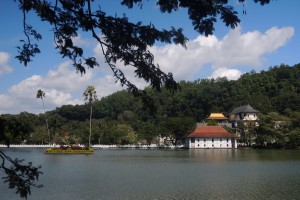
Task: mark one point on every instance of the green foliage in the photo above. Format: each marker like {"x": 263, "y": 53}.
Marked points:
{"x": 39, "y": 136}
{"x": 70, "y": 112}
{"x": 246, "y": 132}
{"x": 68, "y": 151}
{"x": 276, "y": 130}
{"x": 147, "y": 132}
{"x": 15, "y": 128}
{"x": 179, "y": 127}
{"x": 90, "y": 94}
{"x": 212, "y": 123}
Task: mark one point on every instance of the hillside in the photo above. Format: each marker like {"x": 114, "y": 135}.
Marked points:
{"x": 122, "y": 118}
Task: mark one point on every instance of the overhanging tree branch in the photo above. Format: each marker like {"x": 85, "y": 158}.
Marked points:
{"x": 20, "y": 176}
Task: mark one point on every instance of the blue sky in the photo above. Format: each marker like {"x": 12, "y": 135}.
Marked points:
{"x": 267, "y": 36}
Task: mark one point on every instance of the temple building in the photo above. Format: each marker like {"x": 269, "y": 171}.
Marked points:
{"x": 217, "y": 117}
{"x": 210, "y": 137}
{"x": 243, "y": 113}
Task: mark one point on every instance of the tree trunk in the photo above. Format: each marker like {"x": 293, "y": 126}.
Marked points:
{"x": 46, "y": 122}
{"x": 90, "y": 126}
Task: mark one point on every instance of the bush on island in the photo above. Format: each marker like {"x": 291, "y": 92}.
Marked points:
{"x": 70, "y": 150}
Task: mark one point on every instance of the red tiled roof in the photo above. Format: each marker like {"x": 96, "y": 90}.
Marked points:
{"x": 211, "y": 132}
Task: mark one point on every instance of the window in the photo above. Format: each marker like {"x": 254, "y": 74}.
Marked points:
{"x": 212, "y": 139}
{"x": 193, "y": 140}
{"x": 204, "y": 140}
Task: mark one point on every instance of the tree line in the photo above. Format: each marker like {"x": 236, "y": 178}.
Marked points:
{"x": 122, "y": 118}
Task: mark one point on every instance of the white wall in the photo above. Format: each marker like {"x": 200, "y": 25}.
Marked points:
{"x": 250, "y": 116}
{"x": 211, "y": 143}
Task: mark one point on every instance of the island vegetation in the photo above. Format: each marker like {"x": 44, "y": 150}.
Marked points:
{"x": 65, "y": 149}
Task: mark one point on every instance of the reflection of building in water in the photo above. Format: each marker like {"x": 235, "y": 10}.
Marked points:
{"x": 210, "y": 137}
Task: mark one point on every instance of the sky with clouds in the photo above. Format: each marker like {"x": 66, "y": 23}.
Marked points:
{"x": 267, "y": 36}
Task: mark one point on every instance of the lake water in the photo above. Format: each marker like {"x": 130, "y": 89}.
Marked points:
{"x": 164, "y": 174}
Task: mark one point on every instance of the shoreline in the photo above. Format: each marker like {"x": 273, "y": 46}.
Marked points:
{"x": 97, "y": 146}
{"x": 152, "y": 146}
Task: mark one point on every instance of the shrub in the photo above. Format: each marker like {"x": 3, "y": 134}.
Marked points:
{"x": 69, "y": 150}
{"x": 76, "y": 148}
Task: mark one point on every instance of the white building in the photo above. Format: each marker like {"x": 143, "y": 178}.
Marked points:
{"x": 244, "y": 113}
{"x": 210, "y": 137}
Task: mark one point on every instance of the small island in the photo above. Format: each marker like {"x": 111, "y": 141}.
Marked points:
{"x": 69, "y": 150}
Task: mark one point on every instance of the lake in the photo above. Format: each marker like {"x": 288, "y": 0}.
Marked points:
{"x": 156, "y": 174}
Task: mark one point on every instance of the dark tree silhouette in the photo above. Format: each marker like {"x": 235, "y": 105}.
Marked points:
{"x": 16, "y": 174}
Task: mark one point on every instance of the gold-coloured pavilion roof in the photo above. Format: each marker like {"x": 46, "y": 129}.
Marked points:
{"x": 217, "y": 116}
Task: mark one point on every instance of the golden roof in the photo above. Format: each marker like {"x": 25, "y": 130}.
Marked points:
{"x": 218, "y": 116}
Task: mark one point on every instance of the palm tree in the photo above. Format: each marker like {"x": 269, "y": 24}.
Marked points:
{"x": 90, "y": 96}
{"x": 40, "y": 95}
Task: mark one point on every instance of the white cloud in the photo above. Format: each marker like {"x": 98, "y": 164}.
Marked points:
{"x": 231, "y": 74}
{"x": 228, "y": 56}
{"x": 79, "y": 41}
{"x": 64, "y": 78}
{"x": 236, "y": 49}
{"x": 61, "y": 86}
{"x": 249, "y": 48}
{"x": 59, "y": 98}
{"x": 4, "y": 66}
{"x": 107, "y": 83}
{"x": 106, "y": 86}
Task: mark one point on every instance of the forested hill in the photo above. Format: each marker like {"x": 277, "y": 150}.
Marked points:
{"x": 275, "y": 90}
{"x": 123, "y": 119}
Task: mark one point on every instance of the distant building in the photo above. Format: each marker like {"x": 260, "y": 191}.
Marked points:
{"x": 210, "y": 137}
{"x": 219, "y": 118}
{"x": 243, "y": 113}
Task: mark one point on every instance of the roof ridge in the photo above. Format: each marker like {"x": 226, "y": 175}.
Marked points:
{"x": 211, "y": 132}
{"x": 244, "y": 108}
